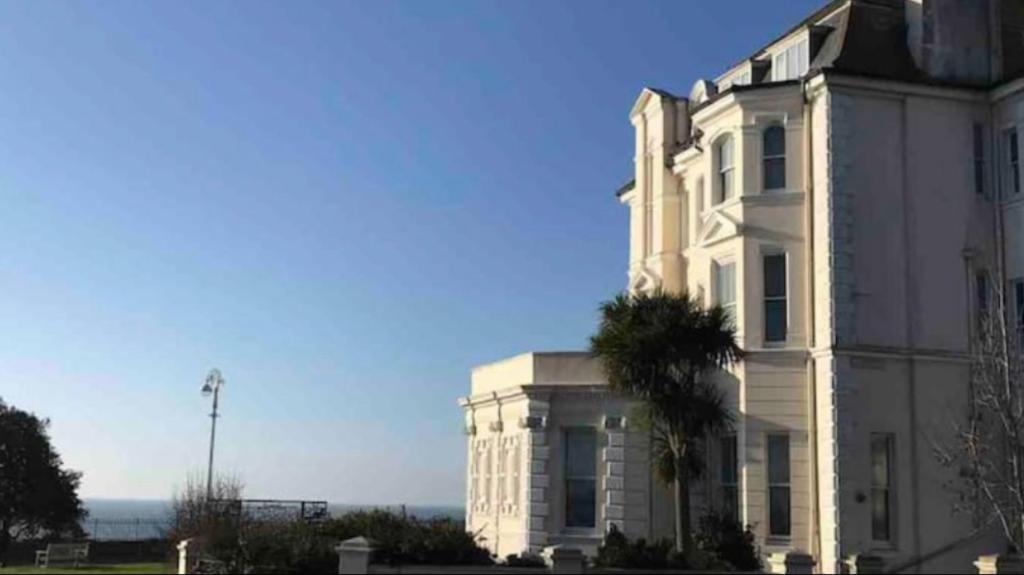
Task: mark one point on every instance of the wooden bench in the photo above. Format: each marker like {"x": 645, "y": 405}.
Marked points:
{"x": 76, "y": 553}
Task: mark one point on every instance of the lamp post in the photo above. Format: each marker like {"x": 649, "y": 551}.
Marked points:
{"x": 212, "y": 386}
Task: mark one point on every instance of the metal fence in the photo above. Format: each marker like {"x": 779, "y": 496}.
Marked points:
{"x": 126, "y": 529}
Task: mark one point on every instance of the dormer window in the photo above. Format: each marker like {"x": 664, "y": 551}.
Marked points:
{"x": 791, "y": 63}
{"x": 774, "y": 158}
{"x": 726, "y": 165}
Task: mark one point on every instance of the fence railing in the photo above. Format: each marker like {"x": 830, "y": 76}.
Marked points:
{"x": 125, "y": 529}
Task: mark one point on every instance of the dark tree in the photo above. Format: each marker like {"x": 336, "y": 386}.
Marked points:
{"x": 661, "y": 349}
{"x": 38, "y": 497}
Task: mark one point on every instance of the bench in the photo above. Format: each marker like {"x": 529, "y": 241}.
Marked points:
{"x": 76, "y": 553}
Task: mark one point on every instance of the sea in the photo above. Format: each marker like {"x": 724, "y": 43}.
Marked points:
{"x": 138, "y": 519}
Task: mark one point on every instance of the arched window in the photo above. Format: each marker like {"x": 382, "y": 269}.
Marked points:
{"x": 774, "y": 159}
{"x": 726, "y": 169}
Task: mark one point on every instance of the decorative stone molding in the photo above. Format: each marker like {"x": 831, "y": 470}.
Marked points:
{"x": 537, "y": 481}
{"x": 496, "y": 427}
{"x": 469, "y": 430}
{"x": 614, "y": 458}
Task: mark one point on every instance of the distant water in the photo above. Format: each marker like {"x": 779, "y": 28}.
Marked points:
{"x": 133, "y": 519}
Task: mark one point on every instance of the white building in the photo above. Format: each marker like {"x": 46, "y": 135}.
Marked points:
{"x": 850, "y": 191}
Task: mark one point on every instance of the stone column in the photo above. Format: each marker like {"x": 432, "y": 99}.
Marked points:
{"x": 992, "y": 564}
{"x": 790, "y": 562}
{"x": 614, "y": 456}
{"x": 354, "y": 556}
{"x": 537, "y": 481}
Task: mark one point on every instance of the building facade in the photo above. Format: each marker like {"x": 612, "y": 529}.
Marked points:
{"x": 852, "y": 194}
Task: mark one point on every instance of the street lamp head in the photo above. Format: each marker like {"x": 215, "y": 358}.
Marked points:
{"x": 213, "y": 382}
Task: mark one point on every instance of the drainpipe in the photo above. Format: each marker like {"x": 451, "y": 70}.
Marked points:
{"x": 809, "y": 296}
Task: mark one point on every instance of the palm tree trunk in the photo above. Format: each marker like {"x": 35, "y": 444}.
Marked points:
{"x": 684, "y": 539}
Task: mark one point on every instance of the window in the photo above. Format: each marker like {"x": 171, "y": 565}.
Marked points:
{"x": 580, "y": 478}
{"x": 792, "y": 63}
{"x": 774, "y": 160}
{"x": 779, "y": 524}
{"x": 881, "y": 486}
{"x": 699, "y": 196}
{"x": 725, "y": 288}
{"x": 726, "y": 169}
{"x": 775, "y": 309}
{"x": 981, "y": 285}
{"x": 979, "y": 159}
{"x": 1018, "y": 308}
{"x": 729, "y": 478}
{"x": 1013, "y": 159}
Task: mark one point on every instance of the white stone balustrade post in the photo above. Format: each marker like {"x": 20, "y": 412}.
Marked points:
{"x": 354, "y": 556}
{"x": 993, "y": 564}
{"x": 188, "y": 553}
{"x": 791, "y": 562}
{"x": 858, "y": 564}
{"x": 564, "y": 560}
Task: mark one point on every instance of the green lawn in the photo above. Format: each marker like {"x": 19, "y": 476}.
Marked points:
{"x": 145, "y": 568}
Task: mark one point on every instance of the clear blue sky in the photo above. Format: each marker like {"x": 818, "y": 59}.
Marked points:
{"x": 343, "y": 206}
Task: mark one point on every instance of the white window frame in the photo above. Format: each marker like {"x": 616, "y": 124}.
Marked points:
{"x": 568, "y": 478}
{"x": 765, "y": 158}
{"x": 787, "y": 485}
{"x": 765, "y": 298}
{"x": 979, "y": 132}
{"x": 1011, "y": 139}
{"x": 729, "y": 490}
{"x": 722, "y": 193}
{"x": 888, "y": 490}
{"x": 716, "y": 270}
{"x": 1017, "y": 301}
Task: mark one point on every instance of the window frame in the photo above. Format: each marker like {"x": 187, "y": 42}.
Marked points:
{"x": 773, "y": 485}
{"x": 569, "y": 477}
{"x": 888, "y": 489}
{"x": 979, "y": 134}
{"x": 729, "y": 488}
{"x": 1017, "y": 295}
{"x": 732, "y": 308}
{"x": 724, "y": 173}
{"x": 766, "y": 158}
{"x": 767, "y": 299}
{"x": 1012, "y": 141}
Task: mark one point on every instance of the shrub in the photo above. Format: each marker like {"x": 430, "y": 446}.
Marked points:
{"x": 299, "y": 547}
{"x": 721, "y": 546}
{"x": 727, "y": 539}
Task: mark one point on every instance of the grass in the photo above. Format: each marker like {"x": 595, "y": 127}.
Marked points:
{"x": 143, "y": 568}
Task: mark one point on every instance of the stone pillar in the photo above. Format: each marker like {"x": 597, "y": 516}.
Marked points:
{"x": 188, "y": 556}
{"x": 857, "y": 564}
{"x": 564, "y": 560}
{"x": 790, "y": 562}
{"x": 992, "y": 564}
{"x": 614, "y": 457}
{"x": 538, "y": 482}
{"x": 354, "y": 556}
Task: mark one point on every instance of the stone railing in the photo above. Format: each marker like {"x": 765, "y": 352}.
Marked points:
{"x": 355, "y": 558}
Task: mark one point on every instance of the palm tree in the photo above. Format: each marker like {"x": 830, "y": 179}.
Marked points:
{"x": 660, "y": 348}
